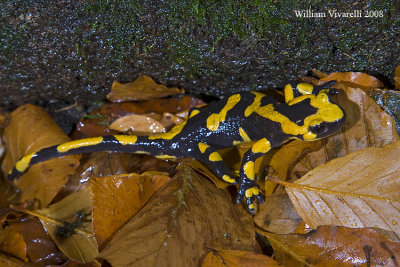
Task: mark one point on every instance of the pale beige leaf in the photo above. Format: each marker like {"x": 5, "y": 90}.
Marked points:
{"x": 138, "y": 125}
{"x": 358, "y": 190}
{"x": 184, "y": 220}
{"x": 81, "y": 245}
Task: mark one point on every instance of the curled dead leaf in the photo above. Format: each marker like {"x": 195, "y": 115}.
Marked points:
{"x": 143, "y": 88}
{"x": 354, "y": 79}
{"x": 12, "y": 243}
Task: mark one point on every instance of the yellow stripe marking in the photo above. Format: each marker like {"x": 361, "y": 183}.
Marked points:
{"x": 23, "y": 163}
{"x": 254, "y": 191}
{"x": 126, "y": 139}
{"x": 215, "y": 119}
{"x": 215, "y": 156}
{"x": 326, "y": 112}
{"x": 165, "y": 157}
{"x": 79, "y": 143}
{"x": 194, "y": 113}
{"x": 171, "y": 134}
{"x": 288, "y": 91}
{"x": 305, "y": 88}
{"x": 203, "y": 147}
{"x": 228, "y": 179}
{"x": 251, "y": 206}
{"x": 261, "y": 146}
{"x": 244, "y": 135}
{"x": 248, "y": 168}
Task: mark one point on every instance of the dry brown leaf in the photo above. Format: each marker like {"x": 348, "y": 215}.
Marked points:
{"x": 397, "y": 78}
{"x": 30, "y": 130}
{"x": 138, "y": 125}
{"x": 239, "y": 258}
{"x": 117, "y": 198}
{"x": 12, "y": 243}
{"x": 143, "y": 88}
{"x": 358, "y": 190}
{"x": 184, "y": 218}
{"x": 278, "y": 215}
{"x": 335, "y": 246}
{"x": 79, "y": 243}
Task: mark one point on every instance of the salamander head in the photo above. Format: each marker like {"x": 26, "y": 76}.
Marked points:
{"x": 327, "y": 119}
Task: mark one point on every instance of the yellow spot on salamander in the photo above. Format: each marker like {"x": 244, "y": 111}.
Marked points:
{"x": 215, "y": 156}
{"x": 261, "y": 146}
{"x": 23, "y": 163}
{"x": 305, "y": 88}
{"x": 215, "y": 119}
{"x": 237, "y": 142}
{"x": 254, "y": 191}
{"x": 244, "y": 135}
{"x": 171, "y": 134}
{"x": 251, "y": 206}
{"x": 79, "y": 143}
{"x": 248, "y": 168}
{"x": 326, "y": 112}
{"x": 165, "y": 157}
{"x": 194, "y": 113}
{"x": 126, "y": 139}
{"x": 288, "y": 91}
{"x": 203, "y": 147}
{"x": 228, "y": 179}
{"x": 309, "y": 136}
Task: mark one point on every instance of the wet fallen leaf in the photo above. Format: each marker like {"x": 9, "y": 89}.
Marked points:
{"x": 138, "y": 125}
{"x": 142, "y": 88}
{"x": 232, "y": 258}
{"x": 335, "y": 246}
{"x": 12, "y": 243}
{"x": 42, "y": 181}
{"x": 357, "y": 190}
{"x": 76, "y": 242}
{"x": 397, "y": 78}
{"x": 41, "y": 250}
{"x": 184, "y": 218}
{"x": 117, "y": 198}
{"x": 75, "y": 263}
{"x": 278, "y": 215}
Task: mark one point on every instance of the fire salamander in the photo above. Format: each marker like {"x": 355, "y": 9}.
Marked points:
{"x": 307, "y": 114}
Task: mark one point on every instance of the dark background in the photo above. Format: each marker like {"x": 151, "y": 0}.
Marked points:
{"x": 57, "y": 53}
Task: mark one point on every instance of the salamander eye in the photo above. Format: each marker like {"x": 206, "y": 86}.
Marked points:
{"x": 319, "y": 128}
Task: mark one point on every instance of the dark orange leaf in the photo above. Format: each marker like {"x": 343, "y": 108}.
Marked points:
{"x": 184, "y": 218}
{"x": 354, "y": 79}
{"x": 142, "y": 88}
{"x": 138, "y": 125}
{"x": 239, "y": 258}
{"x": 117, "y": 198}
{"x": 30, "y": 130}
{"x": 397, "y": 78}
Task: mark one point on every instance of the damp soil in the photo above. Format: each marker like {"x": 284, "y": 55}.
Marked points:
{"x": 67, "y": 53}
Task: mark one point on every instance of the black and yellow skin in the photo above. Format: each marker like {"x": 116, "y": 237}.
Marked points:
{"x": 307, "y": 114}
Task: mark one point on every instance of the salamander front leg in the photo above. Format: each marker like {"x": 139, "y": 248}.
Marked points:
{"x": 248, "y": 188}
{"x": 210, "y": 156}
